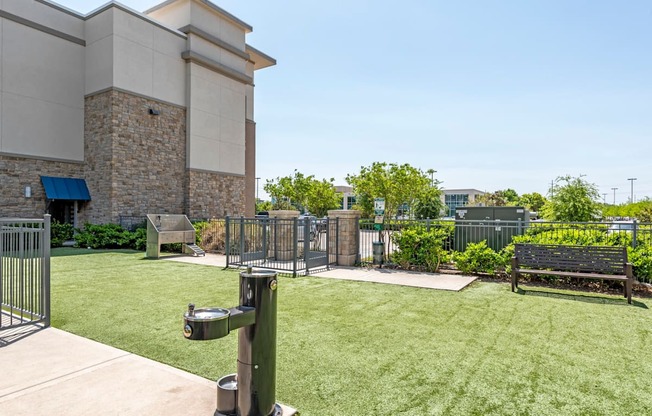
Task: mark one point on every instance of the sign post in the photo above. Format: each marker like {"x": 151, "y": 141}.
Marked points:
{"x": 379, "y": 212}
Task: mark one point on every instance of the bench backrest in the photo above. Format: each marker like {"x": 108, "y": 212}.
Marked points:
{"x": 592, "y": 259}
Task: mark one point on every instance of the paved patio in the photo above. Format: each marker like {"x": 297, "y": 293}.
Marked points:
{"x": 438, "y": 281}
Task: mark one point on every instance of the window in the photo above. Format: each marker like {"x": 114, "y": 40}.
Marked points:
{"x": 453, "y": 201}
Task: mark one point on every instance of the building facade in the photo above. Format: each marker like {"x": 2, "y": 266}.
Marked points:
{"x": 454, "y": 198}
{"x": 152, "y": 111}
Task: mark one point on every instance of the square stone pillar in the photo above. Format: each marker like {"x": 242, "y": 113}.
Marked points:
{"x": 346, "y": 245}
{"x": 282, "y": 234}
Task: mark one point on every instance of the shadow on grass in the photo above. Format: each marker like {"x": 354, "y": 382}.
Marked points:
{"x": 608, "y": 300}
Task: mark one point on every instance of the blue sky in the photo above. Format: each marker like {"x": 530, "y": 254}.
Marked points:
{"x": 491, "y": 94}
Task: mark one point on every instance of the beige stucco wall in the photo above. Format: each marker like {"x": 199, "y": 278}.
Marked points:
{"x": 174, "y": 15}
{"x": 99, "y": 52}
{"x": 147, "y": 59}
{"x": 46, "y": 16}
{"x": 42, "y": 91}
{"x": 216, "y": 120}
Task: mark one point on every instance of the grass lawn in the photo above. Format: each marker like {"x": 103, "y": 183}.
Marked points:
{"x": 356, "y": 348}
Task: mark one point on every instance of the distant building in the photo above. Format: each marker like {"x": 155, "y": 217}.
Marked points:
{"x": 348, "y": 198}
{"x": 121, "y": 113}
{"x": 454, "y": 198}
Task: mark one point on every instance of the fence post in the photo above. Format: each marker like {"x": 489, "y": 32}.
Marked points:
{"x": 242, "y": 240}
{"x": 328, "y": 243}
{"x": 295, "y": 245}
{"x": 634, "y": 234}
{"x": 46, "y": 268}
{"x": 227, "y": 236}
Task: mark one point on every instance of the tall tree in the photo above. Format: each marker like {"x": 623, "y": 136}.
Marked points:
{"x": 397, "y": 184}
{"x": 572, "y": 199}
{"x": 534, "y": 201}
{"x": 304, "y": 193}
{"x": 321, "y": 197}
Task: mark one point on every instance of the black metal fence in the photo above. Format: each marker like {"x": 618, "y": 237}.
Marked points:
{"x": 293, "y": 246}
{"x": 24, "y": 272}
{"x": 499, "y": 234}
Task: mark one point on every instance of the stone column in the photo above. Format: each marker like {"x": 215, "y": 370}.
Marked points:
{"x": 282, "y": 235}
{"x": 348, "y": 250}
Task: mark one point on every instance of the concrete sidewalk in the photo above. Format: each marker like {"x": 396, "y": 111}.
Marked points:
{"x": 373, "y": 274}
{"x": 52, "y": 372}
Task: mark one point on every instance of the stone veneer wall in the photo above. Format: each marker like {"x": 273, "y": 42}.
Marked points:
{"x": 19, "y": 172}
{"x": 212, "y": 194}
{"x": 135, "y": 161}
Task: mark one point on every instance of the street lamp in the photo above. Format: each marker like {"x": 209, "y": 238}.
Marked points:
{"x": 614, "y": 189}
{"x": 631, "y": 199}
{"x": 604, "y": 198}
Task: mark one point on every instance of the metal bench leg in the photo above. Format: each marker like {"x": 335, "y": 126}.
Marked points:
{"x": 514, "y": 274}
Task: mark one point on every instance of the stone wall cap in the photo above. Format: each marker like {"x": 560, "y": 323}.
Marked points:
{"x": 284, "y": 213}
{"x": 351, "y": 213}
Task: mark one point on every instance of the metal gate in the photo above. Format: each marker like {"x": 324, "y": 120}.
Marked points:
{"x": 295, "y": 246}
{"x": 24, "y": 272}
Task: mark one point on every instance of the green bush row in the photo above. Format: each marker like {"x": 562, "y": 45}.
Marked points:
{"x": 111, "y": 236}
{"x": 107, "y": 236}
{"x": 418, "y": 248}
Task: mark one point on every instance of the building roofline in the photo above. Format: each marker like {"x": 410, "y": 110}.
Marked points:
{"x": 62, "y": 8}
{"x": 107, "y": 6}
{"x": 260, "y": 59}
{"x": 247, "y": 27}
{"x": 476, "y": 191}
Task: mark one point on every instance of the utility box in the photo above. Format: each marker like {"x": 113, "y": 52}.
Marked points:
{"x": 496, "y": 225}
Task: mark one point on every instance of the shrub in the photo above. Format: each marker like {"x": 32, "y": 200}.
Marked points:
{"x": 478, "y": 258}
{"x": 641, "y": 259}
{"x": 140, "y": 239}
{"x": 105, "y": 236}
{"x": 420, "y": 248}
{"x": 60, "y": 233}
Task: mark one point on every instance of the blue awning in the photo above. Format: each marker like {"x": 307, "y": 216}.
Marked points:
{"x": 66, "y": 189}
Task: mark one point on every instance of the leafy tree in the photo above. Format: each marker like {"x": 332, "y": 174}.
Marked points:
{"x": 534, "y": 201}
{"x": 645, "y": 214}
{"x": 397, "y": 184}
{"x": 493, "y": 199}
{"x": 264, "y": 206}
{"x": 303, "y": 193}
{"x": 429, "y": 204}
{"x": 572, "y": 199}
{"x": 510, "y": 196}
{"x": 641, "y": 210}
{"x": 321, "y": 197}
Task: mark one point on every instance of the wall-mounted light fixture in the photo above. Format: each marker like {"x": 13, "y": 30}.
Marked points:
{"x": 153, "y": 112}
{"x": 28, "y": 192}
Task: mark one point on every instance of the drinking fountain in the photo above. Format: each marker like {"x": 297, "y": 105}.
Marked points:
{"x": 251, "y": 391}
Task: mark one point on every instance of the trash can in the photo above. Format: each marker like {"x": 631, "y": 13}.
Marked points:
{"x": 379, "y": 252}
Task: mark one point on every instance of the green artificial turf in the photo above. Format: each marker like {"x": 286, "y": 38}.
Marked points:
{"x": 357, "y": 348}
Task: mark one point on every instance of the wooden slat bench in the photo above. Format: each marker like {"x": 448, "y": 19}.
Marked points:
{"x": 589, "y": 262}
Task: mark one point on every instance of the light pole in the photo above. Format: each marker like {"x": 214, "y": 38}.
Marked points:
{"x": 614, "y": 189}
{"x": 631, "y": 199}
{"x": 604, "y": 198}
{"x": 257, "y": 179}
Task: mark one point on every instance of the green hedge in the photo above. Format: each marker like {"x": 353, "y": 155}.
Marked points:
{"x": 419, "y": 248}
